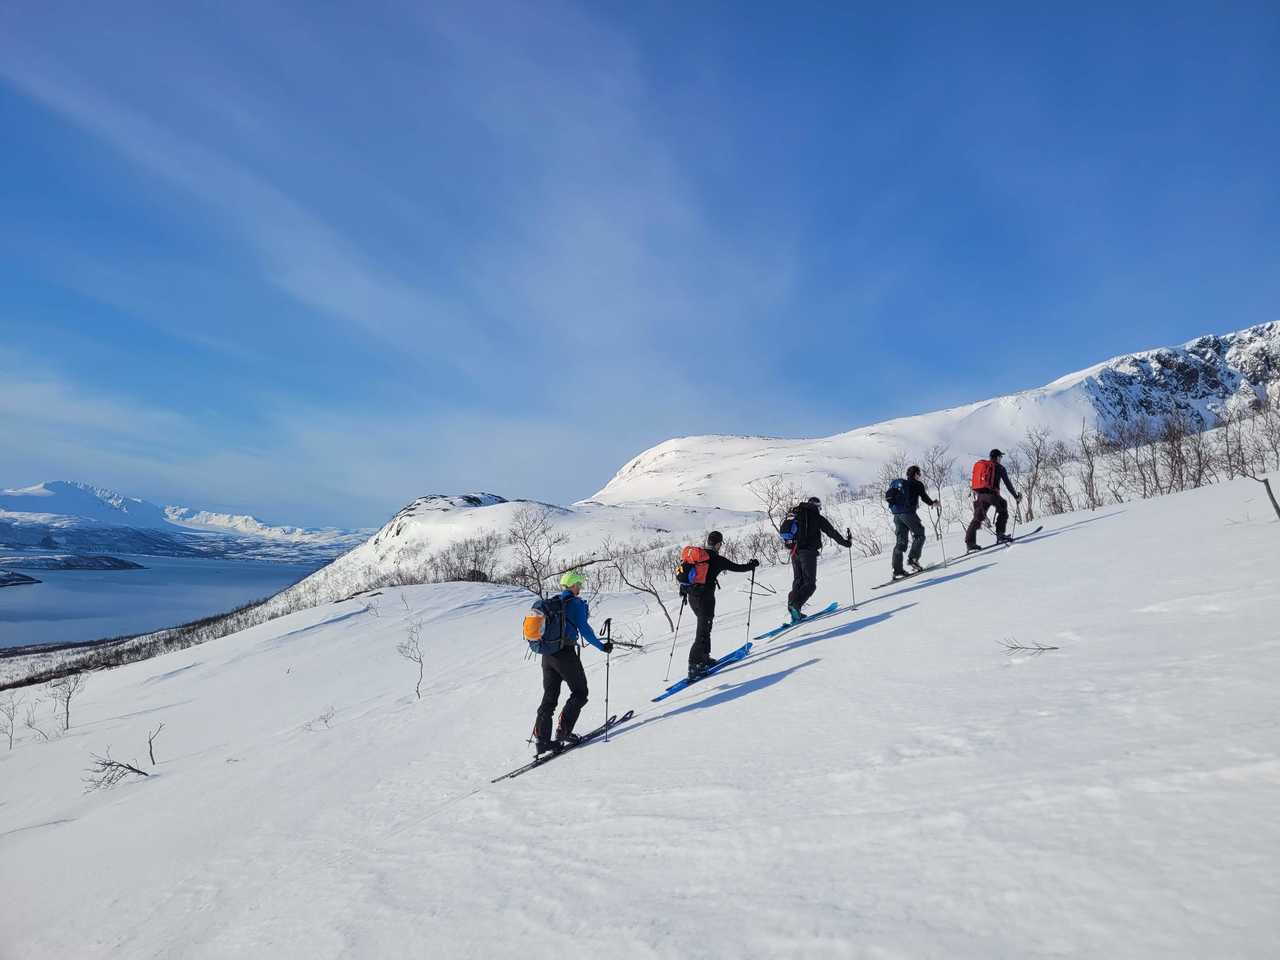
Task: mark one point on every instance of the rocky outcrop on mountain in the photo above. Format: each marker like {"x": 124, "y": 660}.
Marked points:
{"x": 1201, "y": 381}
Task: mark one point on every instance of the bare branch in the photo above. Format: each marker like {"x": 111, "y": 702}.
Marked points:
{"x": 151, "y": 743}
{"x": 105, "y": 772}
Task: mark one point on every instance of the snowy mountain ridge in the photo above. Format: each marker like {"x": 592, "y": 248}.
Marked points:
{"x": 1201, "y": 380}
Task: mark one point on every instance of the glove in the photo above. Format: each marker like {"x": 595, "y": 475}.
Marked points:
{"x": 608, "y": 646}
{"x": 753, "y": 563}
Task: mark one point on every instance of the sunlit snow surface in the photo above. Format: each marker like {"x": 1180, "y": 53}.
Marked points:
{"x": 889, "y": 783}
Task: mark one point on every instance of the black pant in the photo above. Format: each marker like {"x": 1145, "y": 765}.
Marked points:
{"x": 703, "y": 604}
{"x": 804, "y": 577}
{"x": 981, "y": 504}
{"x": 556, "y": 667}
{"x": 903, "y": 524}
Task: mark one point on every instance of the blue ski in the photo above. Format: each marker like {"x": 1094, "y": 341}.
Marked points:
{"x": 776, "y": 631}
{"x": 732, "y": 657}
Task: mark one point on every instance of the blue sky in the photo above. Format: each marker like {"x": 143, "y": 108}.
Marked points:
{"x": 315, "y": 259}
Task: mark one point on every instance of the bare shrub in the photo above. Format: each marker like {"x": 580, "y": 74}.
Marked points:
{"x": 647, "y": 568}
{"x": 411, "y": 649}
{"x": 473, "y": 560}
{"x": 64, "y": 690}
{"x": 30, "y": 721}
{"x": 9, "y": 704}
{"x": 535, "y": 541}
{"x": 776, "y": 496}
{"x": 938, "y": 470}
{"x": 104, "y": 772}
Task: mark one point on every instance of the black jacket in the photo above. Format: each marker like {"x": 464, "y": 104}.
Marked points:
{"x": 812, "y": 526}
{"x": 717, "y": 566}
{"x": 1002, "y": 476}
{"x": 915, "y": 493}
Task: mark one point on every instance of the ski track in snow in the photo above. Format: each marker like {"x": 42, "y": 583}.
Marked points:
{"x": 887, "y": 782}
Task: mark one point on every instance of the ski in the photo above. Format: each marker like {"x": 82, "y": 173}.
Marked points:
{"x": 913, "y": 573}
{"x": 778, "y": 631}
{"x": 732, "y": 656}
{"x": 996, "y": 546}
{"x": 586, "y": 738}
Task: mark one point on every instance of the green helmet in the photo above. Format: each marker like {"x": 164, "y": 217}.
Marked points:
{"x": 571, "y": 579}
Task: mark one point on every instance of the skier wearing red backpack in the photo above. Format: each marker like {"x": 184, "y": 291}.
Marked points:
{"x": 987, "y": 476}
{"x": 699, "y": 568}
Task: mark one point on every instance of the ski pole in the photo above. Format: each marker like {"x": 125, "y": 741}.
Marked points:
{"x": 608, "y": 638}
{"x": 942, "y": 541}
{"x": 750, "y": 598}
{"x": 848, "y": 535}
{"x": 683, "y": 600}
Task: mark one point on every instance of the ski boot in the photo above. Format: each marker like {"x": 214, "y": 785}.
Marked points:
{"x": 915, "y": 566}
{"x": 971, "y": 548}
{"x": 796, "y": 615}
{"x": 567, "y": 739}
{"x": 899, "y": 574}
{"x": 1003, "y": 538}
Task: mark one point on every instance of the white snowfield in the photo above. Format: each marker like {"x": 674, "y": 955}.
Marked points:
{"x": 886, "y": 783}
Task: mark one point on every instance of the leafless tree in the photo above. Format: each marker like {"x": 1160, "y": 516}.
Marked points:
{"x": 64, "y": 691}
{"x": 30, "y": 721}
{"x": 151, "y": 743}
{"x": 9, "y": 704}
{"x": 411, "y": 650}
{"x": 776, "y": 496}
{"x": 1033, "y": 451}
{"x": 104, "y": 772}
{"x": 535, "y": 541}
{"x": 938, "y": 467}
{"x": 647, "y": 568}
{"x": 1087, "y": 466}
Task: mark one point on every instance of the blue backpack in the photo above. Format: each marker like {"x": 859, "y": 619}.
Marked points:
{"x": 897, "y": 498}
{"x": 789, "y": 528}
{"x": 546, "y": 626}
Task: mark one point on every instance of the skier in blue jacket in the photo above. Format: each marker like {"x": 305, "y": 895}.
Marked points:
{"x": 565, "y": 666}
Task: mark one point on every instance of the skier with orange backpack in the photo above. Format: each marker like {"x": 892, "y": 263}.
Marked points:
{"x": 697, "y": 574}
{"x": 987, "y": 476}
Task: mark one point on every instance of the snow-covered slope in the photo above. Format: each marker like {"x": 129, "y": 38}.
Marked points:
{"x": 89, "y": 519}
{"x": 887, "y": 783}
{"x": 1200, "y": 379}
{"x": 433, "y": 523}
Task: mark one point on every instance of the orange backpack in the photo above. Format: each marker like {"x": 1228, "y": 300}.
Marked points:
{"x": 694, "y": 564}
{"x": 985, "y": 475}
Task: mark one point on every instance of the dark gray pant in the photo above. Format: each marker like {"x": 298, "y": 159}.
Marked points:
{"x": 702, "y": 602}
{"x": 562, "y": 666}
{"x": 981, "y": 504}
{"x": 903, "y": 524}
{"x": 804, "y": 577}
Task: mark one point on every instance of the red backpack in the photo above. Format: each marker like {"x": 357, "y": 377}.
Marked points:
{"x": 985, "y": 475}
{"x": 694, "y": 564}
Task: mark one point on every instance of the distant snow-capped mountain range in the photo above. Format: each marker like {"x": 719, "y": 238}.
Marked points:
{"x": 66, "y": 515}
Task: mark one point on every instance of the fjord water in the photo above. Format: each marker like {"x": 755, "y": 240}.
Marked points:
{"x": 75, "y": 606}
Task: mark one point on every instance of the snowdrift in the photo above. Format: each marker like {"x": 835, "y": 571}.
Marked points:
{"x": 888, "y": 783}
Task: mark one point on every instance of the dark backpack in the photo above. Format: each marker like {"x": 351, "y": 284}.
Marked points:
{"x": 896, "y": 496}
{"x": 546, "y": 627}
{"x": 794, "y": 524}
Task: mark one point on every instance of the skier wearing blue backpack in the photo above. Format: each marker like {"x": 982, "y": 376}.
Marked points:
{"x": 564, "y": 621}
{"x": 802, "y": 532}
{"x": 903, "y": 497}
